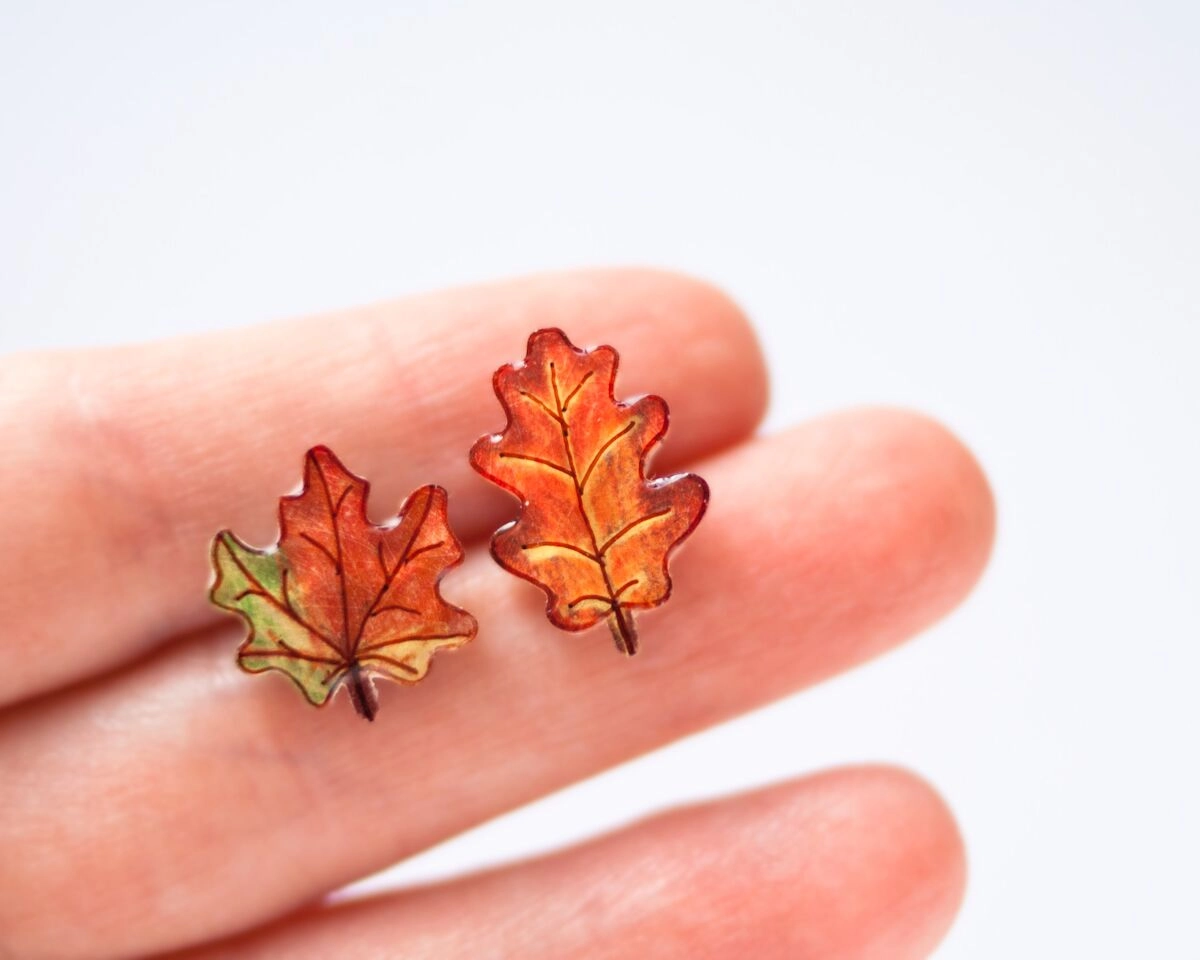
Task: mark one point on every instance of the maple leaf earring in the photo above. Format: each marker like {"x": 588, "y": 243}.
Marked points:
{"x": 592, "y": 531}
{"x": 339, "y": 601}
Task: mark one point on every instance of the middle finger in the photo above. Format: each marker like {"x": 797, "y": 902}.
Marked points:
{"x": 182, "y": 801}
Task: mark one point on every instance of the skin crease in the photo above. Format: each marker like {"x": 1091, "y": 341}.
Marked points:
{"x": 169, "y": 799}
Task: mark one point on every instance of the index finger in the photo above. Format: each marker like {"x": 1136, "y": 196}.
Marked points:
{"x": 121, "y": 463}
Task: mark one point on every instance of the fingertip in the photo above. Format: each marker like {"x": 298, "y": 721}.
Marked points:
{"x": 913, "y": 508}
{"x": 723, "y": 334}
{"x": 948, "y": 507}
{"x": 889, "y": 863}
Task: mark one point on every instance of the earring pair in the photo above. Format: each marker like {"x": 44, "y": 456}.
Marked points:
{"x": 338, "y": 600}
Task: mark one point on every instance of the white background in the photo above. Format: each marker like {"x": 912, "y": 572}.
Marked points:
{"x": 989, "y": 211}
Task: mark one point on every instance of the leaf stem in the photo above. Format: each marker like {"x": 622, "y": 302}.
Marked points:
{"x": 362, "y": 693}
{"x": 623, "y": 631}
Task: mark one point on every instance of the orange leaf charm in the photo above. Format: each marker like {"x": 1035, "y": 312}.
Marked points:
{"x": 593, "y": 532}
{"x": 340, "y": 600}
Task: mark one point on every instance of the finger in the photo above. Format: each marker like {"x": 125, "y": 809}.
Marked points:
{"x": 854, "y": 863}
{"x": 823, "y": 546}
{"x": 120, "y": 464}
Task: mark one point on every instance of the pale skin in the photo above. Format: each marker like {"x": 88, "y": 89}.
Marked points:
{"x": 156, "y": 799}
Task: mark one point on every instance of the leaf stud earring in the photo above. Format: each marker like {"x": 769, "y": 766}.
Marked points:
{"x": 593, "y": 532}
{"x": 339, "y": 601}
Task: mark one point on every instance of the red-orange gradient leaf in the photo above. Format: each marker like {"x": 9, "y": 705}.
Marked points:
{"x": 593, "y": 531}
{"x": 339, "y": 600}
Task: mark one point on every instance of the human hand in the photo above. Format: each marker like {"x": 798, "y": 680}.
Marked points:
{"x": 155, "y": 798}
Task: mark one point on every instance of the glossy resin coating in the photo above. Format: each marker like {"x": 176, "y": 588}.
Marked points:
{"x": 340, "y": 600}
{"x": 593, "y": 532}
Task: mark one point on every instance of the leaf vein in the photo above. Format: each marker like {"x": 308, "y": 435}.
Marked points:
{"x": 590, "y": 596}
{"x": 394, "y": 606}
{"x": 599, "y": 453}
{"x": 263, "y": 592}
{"x": 390, "y": 576}
{"x": 541, "y": 403}
{"x": 579, "y": 386}
{"x": 392, "y": 661}
{"x": 629, "y": 527}
{"x": 414, "y": 638}
{"x": 587, "y": 521}
{"x": 320, "y": 546}
{"x": 542, "y": 460}
{"x": 337, "y": 544}
{"x": 564, "y": 545}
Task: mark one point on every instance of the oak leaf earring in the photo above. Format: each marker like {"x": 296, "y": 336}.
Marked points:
{"x": 592, "y": 531}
